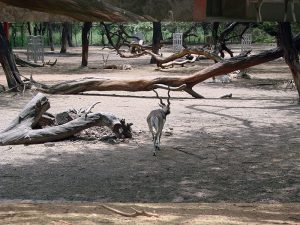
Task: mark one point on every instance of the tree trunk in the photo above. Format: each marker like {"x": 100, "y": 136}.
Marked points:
{"x": 157, "y": 37}
{"x": 29, "y": 28}
{"x": 50, "y": 31}
{"x": 214, "y": 34}
{"x": 69, "y": 36}
{"x": 290, "y": 52}
{"x": 85, "y": 42}
{"x": 22, "y": 34}
{"x": 8, "y": 63}
{"x": 24, "y": 129}
{"x": 64, "y": 38}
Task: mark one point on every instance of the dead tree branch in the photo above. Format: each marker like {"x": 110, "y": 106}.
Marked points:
{"x": 25, "y": 128}
{"x": 161, "y": 61}
{"x": 220, "y": 68}
{"x": 135, "y": 214}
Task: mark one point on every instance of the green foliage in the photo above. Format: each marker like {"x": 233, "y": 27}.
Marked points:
{"x": 260, "y": 32}
{"x": 260, "y": 36}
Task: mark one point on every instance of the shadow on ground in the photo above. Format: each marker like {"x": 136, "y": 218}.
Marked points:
{"x": 254, "y": 161}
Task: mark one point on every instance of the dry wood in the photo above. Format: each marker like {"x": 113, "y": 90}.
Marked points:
{"x": 135, "y": 214}
{"x": 179, "y": 63}
{"x": 165, "y": 62}
{"x": 227, "y": 96}
{"x": 50, "y": 63}
{"x": 24, "y": 129}
{"x": 24, "y": 63}
{"x": 220, "y": 68}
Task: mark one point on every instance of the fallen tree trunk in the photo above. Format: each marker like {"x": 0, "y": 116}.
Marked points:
{"x": 221, "y": 68}
{"x": 24, "y": 129}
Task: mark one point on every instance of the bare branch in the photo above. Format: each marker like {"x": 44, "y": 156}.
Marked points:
{"x": 180, "y": 88}
{"x": 89, "y": 109}
{"x": 135, "y": 214}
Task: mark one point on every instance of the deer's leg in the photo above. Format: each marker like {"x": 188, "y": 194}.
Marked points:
{"x": 159, "y": 139}
{"x": 155, "y": 144}
{"x": 151, "y": 129}
{"x": 161, "y": 127}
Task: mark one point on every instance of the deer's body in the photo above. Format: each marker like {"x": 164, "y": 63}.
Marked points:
{"x": 156, "y": 121}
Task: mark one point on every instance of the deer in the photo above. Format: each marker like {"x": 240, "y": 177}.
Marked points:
{"x": 156, "y": 120}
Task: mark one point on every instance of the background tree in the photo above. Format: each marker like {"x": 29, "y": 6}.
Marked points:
{"x": 85, "y": 42}
{"x": 50, "y": 34}
{"x": 64, "y": 37}
{"x": 290, "y": 51}
{"x": 157, "y": 37}
{"x": 69, "y": 35}
{"x": 8, "y": 63}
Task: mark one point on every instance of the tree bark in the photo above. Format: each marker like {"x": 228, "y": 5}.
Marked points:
{"x": 64, "y": 38}
{"x": 23, "y": 130}
{"x": 85, "y": 42}
{"x": 157, "y": 37}
{"x": 290, "y": 52}
{"x": 50, "y": 31}
{"x": 69, "y": 35}
{"x": 161, "y": 61}
{"x": 8, "y": 63}
{"x": 29, "y": 28}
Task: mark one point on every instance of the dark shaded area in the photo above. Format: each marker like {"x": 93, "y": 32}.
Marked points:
{"x": 245, "y": 164}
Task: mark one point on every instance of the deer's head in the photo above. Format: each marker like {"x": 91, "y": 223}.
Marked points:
{"x": 164, "y": 107}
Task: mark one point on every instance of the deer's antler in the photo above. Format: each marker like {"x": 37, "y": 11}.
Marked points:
{"x": 168, "y": 99}
{"x": 161, "y": 102}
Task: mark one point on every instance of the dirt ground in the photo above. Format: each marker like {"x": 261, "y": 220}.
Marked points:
{"x": 214, "y": 151}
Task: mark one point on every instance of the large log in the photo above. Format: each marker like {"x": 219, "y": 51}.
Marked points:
{"x": 23, "y": 130}
{"x": 220, "y": 68}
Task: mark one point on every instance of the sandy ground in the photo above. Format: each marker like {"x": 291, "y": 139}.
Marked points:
{"x": 239, "y": 150}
